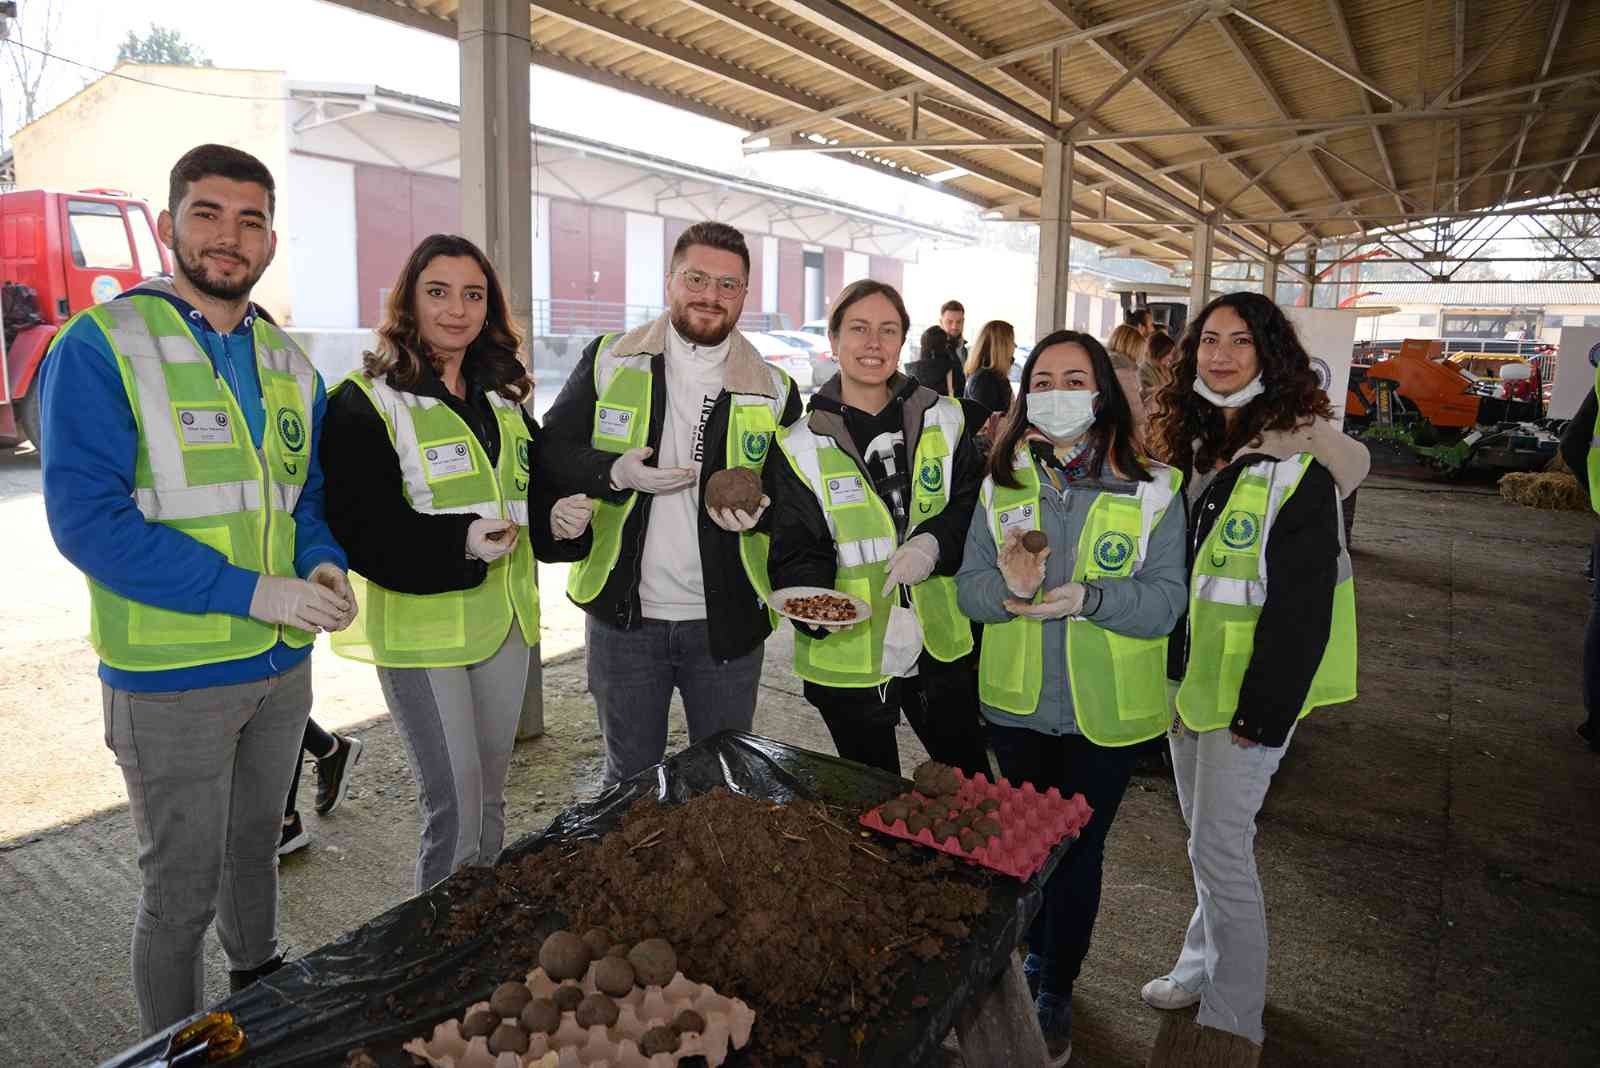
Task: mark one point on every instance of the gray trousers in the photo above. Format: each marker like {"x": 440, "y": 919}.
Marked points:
{"x": 1221, "y": 787}
{"x": 207, "y": 771}
{"x": 632, "y": 674}
{"x": 459, "y": 725}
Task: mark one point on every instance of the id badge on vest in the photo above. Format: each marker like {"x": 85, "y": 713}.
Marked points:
{"x": 846, "y": 490}
{"x": 204, "y": 427}
{"x": 614, "y": 422}
{"x": 447, "y": 459}
{"x": 1020, "y": 518}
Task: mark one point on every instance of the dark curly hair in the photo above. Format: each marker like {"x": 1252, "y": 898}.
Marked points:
{"x": 493, "y": 353}
{"x": 1110, "y": 435}
{"x": 1292, "y": 395}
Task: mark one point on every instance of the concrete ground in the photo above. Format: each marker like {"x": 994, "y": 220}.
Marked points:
{"x": 1429, "y": 852}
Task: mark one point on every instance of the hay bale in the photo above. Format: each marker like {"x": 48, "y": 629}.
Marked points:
{"x": 1556, "y": 493}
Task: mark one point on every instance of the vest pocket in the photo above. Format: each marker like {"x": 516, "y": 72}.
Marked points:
{"x": 149, "y": 625}
{"x": 431, "y": 623}
{"x": 1238, "y": 644}
{"x": 848, "y": 652}
{"x": 1140, "y": 668}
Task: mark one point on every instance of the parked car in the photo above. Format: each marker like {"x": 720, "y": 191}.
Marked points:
{"x": 823, "y": 365}
{"x": 815, "y": 326}
{"x": 785, "y": 353}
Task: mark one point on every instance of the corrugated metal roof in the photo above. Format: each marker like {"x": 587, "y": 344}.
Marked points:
{"x": 1484, "y": 294}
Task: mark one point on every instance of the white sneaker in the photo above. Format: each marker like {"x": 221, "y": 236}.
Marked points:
{"x": 1165, "y": 993}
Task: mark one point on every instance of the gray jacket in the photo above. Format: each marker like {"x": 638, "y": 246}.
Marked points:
{"x": 1145, "y": 605}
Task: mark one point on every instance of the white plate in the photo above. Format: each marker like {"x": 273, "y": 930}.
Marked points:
{"x": 778, "y": 599}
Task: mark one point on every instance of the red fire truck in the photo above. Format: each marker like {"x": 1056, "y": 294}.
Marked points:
{"x": 61, "y": 253}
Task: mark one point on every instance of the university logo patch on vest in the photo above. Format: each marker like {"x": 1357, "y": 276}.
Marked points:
{"x": 1113, "y": 550}
{"x": 524, "y": 462}
{"x": 291, "y": 430}
{"x": 755, "y": 444}
{"x": 931, "y": 475}
{"x": 1240, "y": 530}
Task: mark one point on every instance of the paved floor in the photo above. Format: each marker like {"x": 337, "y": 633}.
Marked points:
{"x": 1429, "y": 851}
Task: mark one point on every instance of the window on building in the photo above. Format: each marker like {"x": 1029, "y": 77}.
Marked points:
{"x": 99, "y": 238}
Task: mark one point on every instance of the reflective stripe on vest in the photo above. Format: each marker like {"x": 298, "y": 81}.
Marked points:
{"x": 1119, "y": 683}
{"x": 1229, "y": 588}
{"x": 1594, "y": 453}
{"x": 197, "y": 471}
{"x": 864, "y": 538}
{"x": 445, "y": 471}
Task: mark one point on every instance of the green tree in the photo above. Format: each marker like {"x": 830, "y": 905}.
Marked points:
{"x": 160, "y": 45}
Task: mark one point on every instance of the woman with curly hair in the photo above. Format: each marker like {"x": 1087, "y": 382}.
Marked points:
{"x": 1270, "y": 630}
{"x": 428, "y": 452}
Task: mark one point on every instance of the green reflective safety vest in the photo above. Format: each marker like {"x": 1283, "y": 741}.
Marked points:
{"x": 1594, "y": 452}
{"x": 1229, "y": 587}
{"x": 864, "y": 539}
{"x": 444, "y": 470}
{"x": 1119, "y": 683}
{"x": 198, "y": 472}
{"x": 622, "y": 422}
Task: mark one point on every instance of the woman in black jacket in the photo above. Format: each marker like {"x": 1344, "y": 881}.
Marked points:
{"x": 989, "y": 366}
{"x": 1270, "y": 632}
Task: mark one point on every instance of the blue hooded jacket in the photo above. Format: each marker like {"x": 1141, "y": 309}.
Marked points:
{"x": 90, "y": 444}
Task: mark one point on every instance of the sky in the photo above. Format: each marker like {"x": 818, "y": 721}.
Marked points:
{"x": 315, "y": 41}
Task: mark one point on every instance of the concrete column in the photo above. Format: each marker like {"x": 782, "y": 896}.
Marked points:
{"x": 1311, "y": 276}
{"x": 497, "y": 187}
{"x": 1200, "y": 270}
{"x": 1269, "y": 281}
{"x": 1055, "y": 240}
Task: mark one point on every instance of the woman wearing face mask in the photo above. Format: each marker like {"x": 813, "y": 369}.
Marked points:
{"x": 1073, "y": 670}
{"x": 873, "y": 500}
{"x": 428, "y": 452}
{"x": 1271, "y": 625}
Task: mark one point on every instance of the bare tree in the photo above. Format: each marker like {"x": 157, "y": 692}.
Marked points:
{"x": 1577, "y": 236}
{"x": 27, "y": 47}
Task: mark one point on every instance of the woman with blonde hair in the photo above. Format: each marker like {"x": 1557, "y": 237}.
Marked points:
{"x": 1127, "y": 348}
{"x": 989, "y": 366}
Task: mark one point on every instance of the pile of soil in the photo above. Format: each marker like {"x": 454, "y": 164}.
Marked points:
{"x": 789, "y": 907}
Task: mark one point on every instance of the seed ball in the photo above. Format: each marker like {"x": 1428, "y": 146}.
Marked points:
{"x": 541, "y": 1015}
{"x": 597, "y": 1009}
{"x": 509, "y": 998}
{"x": 568, "y": 996}
{"x": 654, "y": 962}
{"x": 564, "y": 956}
{"x": 688, "y": 1021}
{"x": 918, "y": 822}
{"x": 989, "y": 804}
{"x": 988, "y": 827}
{"x": 969, "y": 841}
{"x": 614, "y": 976}
{"x": 598, "y": 939}
{"x": 944, "y": 829}
{"x": 1035, "y": 541}
{"x": 658, "y": 1040}
{"x": 618, "y": 949}
{"x": 893, "y": 810}
{"x": 480, "y": 1022}
{"x": 508, "y": 1038}
{"x": 734, "y": 487}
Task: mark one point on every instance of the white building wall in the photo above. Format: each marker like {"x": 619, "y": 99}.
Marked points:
{"x": 646, "y": 253}
{"x": 769, "y": 274}
{"x": 321, "y": 258}
{"x": 857, "y": 266}
{"x": 541, "y": 252}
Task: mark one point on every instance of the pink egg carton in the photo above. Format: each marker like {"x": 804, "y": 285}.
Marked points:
{"x": 728, "y": 1025}
{"x": 1031, "y": 824}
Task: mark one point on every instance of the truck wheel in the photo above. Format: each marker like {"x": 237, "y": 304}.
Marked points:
{"x": 28, "y": 419}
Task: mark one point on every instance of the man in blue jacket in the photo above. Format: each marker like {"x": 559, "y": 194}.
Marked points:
{"x": 181, "y": 477}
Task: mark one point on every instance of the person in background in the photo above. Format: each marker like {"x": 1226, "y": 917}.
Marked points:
{"x": 1580, "y": 448}
{"x": 1127, "y": 347}
{"x": 953, "y": 318}
{"x": 1155, "y": 368}
{"x": 1072, "y": 677}
{"x": 872, "y": 497}
{"x": 335, "y": 755}
{"x": 1141, "y": 320}
{"x": 1271, "y": 626}
{"x": 937, "y": 365}
{"x": 430, "y": 453}
{"x": 988, "y": 368}
{"x": 183, "y": 476}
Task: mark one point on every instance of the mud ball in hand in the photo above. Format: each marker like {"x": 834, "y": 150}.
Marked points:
{"x": 568, "y": 996}
{"x": 564, "y": 956}
{"x": 736, "y": 487}
{"x": 597, "y": 1009}
{"x": 509, "y": 998}
{"x": 541, "y": 1015}
{"x": 480, "y": 1022}
{"x": 654, "y": 962}
{"x": 598, "y": 939}
{"x": 658, "y": 1040}
{"x": 1035, "y": 541}
{"x": 688, "y": 1022}
{"x": 613, "y": 976}
{"x": 508, "y": 1038}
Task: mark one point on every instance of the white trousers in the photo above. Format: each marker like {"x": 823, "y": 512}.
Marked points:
{"x": 1221, "y": 787}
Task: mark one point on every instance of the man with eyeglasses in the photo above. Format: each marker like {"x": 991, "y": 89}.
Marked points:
{"x": 675, "y": 593}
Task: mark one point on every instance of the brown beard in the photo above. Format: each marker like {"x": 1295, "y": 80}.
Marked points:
{"x": 680, "y": 323}
{"x": 193, "y": 268}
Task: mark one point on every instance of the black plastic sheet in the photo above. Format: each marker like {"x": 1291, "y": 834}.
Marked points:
{"x": 315, "y": 1009}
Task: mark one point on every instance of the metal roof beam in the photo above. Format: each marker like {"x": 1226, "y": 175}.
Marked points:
{"x": 1472, "y": 65}
{"x": 1135, "y": 71}
{"x": 1578, "y": 156}
{"x": 1293, "y": 42}
{"x": 1558, "y": 18}
{"x": 1341, "y": 26}
{"x": 1343, "y": 122}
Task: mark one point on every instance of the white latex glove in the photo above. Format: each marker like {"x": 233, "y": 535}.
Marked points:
{"x": 631, "y": 472}
{"x": 1059, "y": 603}
{"x": 1022, "y": 570}
{"x": 912, "y": 562}
{"x": 293, "y": 602}
{"x": 331, "y": 577}
{"x": 490, "y": 539}
{"x": 736, "y": 522}
{"x": 570, "y": 516}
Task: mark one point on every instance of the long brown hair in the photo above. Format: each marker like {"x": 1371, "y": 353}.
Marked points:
{"x": 1110, "y": 436}
{"x": 1127, "y": 342}
{"x": 1292, "y": 394}
{"x": 997, "y": 339}
{"x": 401, "y": 350}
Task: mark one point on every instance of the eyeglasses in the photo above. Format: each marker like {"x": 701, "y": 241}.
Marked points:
{"x": 696, "y": 281}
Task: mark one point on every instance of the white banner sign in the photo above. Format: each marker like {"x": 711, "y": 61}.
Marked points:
{"x": 1574, "y": 370}
{"x": 1328, "y": 334}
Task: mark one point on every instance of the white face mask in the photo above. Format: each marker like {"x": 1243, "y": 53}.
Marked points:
{"x": 1231, "y": 400}
{"x": 1062, "y": 413}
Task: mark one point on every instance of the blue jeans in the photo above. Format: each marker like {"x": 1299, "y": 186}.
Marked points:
{"x": 1058, "y": 941}
{"x": 632, "y": 674}
{"x": 1591, "y": 647}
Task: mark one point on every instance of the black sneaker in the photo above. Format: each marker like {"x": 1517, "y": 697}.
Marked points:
{"x": 295, "y": 836}
{"x": 333, "y": 773}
